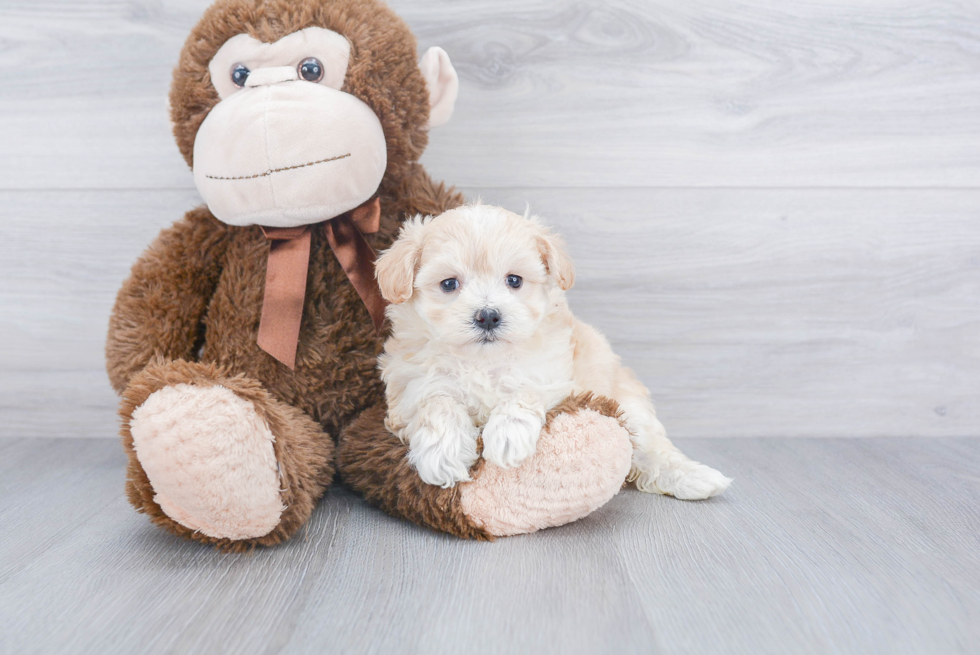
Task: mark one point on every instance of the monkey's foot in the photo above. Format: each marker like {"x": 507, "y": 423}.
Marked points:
{"x": 581, "y": 461}
{"x": 210, "y": 459}
{"x": 215, "y": 458}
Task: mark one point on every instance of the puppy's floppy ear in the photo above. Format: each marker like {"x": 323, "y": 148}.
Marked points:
{"x": 556, "y": 259}
{"x": 395, "y": 267}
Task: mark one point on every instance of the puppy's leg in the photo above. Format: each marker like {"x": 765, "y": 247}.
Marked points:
{"x": 658, "y": 466}
{"x": 511, "y": 433}
{"x": 441, "y": 441}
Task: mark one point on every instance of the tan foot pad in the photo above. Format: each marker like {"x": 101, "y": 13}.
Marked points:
{"x": 210, "y": 459}
{"x": 579, "y": 466}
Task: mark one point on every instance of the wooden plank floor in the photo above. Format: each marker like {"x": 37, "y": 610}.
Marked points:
{"x": 822, "y": 545}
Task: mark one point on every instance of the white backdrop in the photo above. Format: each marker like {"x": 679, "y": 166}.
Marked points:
{"x": 774, "y": 204}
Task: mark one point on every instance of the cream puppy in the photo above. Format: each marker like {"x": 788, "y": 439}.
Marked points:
{"x": 483, "y": 340}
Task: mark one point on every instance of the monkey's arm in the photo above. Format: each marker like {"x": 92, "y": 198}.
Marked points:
{"x": 159, "y": 310}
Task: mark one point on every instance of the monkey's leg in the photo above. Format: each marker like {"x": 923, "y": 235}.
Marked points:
{"x": 215, "y": 458}
{"x": 582, "y": 460}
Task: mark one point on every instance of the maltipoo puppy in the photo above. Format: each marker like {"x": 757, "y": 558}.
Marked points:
{"x": 483, "y": 341}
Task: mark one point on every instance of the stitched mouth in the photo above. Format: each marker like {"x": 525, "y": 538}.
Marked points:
{"x": 278, "y": 170}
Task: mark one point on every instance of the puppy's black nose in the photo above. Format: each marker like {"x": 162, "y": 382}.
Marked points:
{"x": 487, "y": 319}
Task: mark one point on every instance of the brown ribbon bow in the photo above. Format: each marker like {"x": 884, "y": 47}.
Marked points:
{"x": 286, "y": 273}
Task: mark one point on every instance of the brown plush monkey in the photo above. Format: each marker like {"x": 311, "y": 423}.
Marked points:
{"x": 244, "y": 342}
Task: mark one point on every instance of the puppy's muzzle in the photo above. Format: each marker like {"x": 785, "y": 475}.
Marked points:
{"x": 487, "y": 319}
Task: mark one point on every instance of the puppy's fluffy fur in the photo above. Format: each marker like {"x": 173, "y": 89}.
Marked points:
{"x": 448, "y": 378}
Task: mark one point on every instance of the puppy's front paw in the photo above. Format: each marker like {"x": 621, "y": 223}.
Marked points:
{"x": 682, "y": 478}
{"x": 511, "y": 437}
{"x": 440, "y": 459}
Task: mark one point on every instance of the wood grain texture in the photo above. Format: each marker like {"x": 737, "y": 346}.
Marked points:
{"x": 837, "y": 545}
{"x": 746, "y": 312}
{"x": 595, "y": 93}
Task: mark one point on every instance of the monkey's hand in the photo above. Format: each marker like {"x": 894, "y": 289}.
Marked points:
{"x": 159, "y": 309}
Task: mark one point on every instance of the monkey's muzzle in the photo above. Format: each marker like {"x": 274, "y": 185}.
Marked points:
{"x": 284, "y": 153}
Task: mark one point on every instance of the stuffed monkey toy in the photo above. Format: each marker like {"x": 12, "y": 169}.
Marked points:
{"x": 244, "y": 342}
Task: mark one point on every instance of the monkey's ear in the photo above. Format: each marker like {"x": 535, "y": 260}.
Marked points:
{"x": 443, "y": 84}
{"x": 556, "y": 259}
{"x": 395, "y": 267}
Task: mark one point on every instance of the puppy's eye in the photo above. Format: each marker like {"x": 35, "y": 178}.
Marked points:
{"x": 515, "y": 281}
{"x": 311, "y": 70}
{"x": 239, "y": 74}
{"x": 449, "y": 285}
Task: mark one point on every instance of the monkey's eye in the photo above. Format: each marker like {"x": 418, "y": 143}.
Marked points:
{"x": 449, "y": 285}
{"x": 310, "y": 70}
{"x": 515, "y": 281}
{"x": 239, "y": 74}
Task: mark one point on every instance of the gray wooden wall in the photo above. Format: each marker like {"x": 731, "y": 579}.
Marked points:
{"x": 774, "y": 204}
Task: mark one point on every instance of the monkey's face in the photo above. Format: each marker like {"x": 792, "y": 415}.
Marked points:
{"x": 285, "y": 146}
